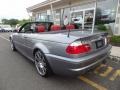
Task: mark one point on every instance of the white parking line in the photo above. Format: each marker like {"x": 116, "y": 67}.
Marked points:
{"x": 4, "y": 38}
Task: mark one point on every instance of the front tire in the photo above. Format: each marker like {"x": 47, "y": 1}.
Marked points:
{"x": 41, "y": 64}
{"x": 13, "y": 46}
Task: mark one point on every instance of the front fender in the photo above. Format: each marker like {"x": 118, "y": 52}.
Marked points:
{"x": 11, "y": 37}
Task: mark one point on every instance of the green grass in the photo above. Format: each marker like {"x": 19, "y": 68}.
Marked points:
{"x": 115, "y": 40}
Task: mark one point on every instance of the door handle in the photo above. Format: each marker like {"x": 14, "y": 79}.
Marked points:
{"x": 25, "y": 37}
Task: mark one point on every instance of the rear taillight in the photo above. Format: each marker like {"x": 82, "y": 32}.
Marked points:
{"x": 78, "y": 48}
{"x": 107, "y": 40}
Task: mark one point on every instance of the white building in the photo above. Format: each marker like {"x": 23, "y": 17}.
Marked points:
{"x": 117, "y": 21}
{"x": 81, "y": 12}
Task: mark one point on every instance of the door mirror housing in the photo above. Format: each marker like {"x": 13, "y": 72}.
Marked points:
{"x": 16, "y": 30}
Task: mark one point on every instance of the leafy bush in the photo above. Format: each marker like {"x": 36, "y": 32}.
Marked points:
{"x": 102, "y": 27}
{"x": 115, "y": 40}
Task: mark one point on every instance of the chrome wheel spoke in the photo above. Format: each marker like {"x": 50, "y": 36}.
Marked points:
{"x": 44, "y": 70}
{"x": 40, "y": 64}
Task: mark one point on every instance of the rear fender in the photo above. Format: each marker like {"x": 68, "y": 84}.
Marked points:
{"x": 42, "y": 47}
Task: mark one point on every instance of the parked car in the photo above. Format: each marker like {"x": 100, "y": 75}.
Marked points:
{"x": 1, "y": 29}
{"x": 77, "y": 20}
{"x": 60, "y": 51}
{"x": 7, "y": 28}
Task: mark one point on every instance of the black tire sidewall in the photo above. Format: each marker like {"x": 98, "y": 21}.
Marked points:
{"x": 48, "y": 69}
{"x": 13, "y": 46}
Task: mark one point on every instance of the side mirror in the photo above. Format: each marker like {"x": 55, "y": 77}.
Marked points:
{"x": 16, "y": 30}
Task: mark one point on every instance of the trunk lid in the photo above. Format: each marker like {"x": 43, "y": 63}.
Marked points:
{"x": 62, "y": 37}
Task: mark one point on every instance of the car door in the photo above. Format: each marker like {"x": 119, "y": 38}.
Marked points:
{"x": 21, "y": 38}
{"x": 19, "y": 41}
{"x": 28, "y": 43}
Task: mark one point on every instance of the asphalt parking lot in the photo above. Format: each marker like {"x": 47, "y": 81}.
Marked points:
{"x": 18, "y": 73}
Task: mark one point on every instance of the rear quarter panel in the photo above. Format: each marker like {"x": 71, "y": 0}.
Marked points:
{"x": 53, "y": 48}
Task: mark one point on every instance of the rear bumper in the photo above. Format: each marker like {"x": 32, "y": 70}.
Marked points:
{"x": 70, "y": 66}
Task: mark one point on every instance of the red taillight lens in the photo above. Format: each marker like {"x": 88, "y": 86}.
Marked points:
{"x": 78, "y": 49}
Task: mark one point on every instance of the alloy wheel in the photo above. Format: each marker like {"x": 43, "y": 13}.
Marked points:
{"x": 40, "y": 63}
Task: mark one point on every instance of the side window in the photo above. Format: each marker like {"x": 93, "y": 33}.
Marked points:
{"x": 25, "y": 28}
{"x": 28, "y": 28}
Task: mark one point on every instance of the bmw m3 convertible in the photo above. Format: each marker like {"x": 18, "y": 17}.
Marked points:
{"x": 65, "y": 52}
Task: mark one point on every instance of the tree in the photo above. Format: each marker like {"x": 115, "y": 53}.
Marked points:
{"x": 13, "y": 22}
{"x": 21, "y": 22}
{"x": 5, "y": 21}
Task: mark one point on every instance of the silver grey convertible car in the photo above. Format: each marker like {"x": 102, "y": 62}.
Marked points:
{"x": 65, "y": 52}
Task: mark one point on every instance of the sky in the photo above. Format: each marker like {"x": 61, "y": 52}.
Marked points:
{"x": 16, "y": 8}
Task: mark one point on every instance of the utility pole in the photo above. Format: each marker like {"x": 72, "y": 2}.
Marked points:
{"x": 93, "y": 25}
{"x": 70, "y": 12}
{"x": 52, "y": 10}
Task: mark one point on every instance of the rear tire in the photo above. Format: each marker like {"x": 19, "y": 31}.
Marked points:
{"x": 41, "y": 64}
{"x": 104, "y": 61}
